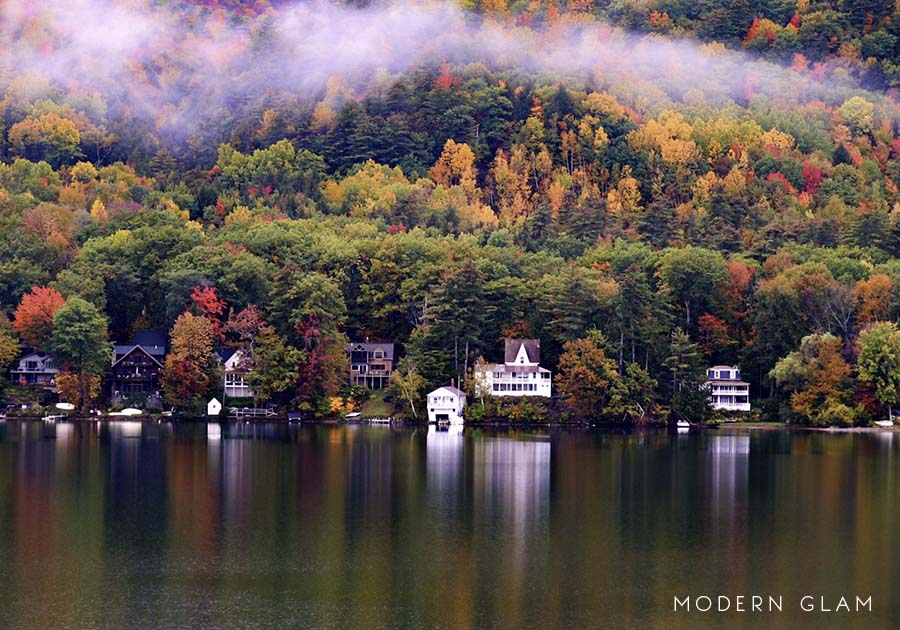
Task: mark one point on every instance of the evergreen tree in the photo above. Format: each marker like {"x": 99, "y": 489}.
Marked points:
{"x": 690, "y": 399}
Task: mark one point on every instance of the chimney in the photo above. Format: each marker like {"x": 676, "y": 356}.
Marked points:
{"x": 452, "y": 382}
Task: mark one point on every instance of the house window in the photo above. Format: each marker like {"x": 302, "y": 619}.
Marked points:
{"x": 359, "y": 356}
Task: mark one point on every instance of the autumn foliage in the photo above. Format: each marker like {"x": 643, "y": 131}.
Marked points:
{"x": 208, "y": 304}
{"x": 191, "y": 369}
{"x": 33, "y": 318}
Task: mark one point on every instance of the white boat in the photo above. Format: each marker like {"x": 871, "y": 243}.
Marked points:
{"x": 128, "y": 411}
{"x": 683, "y": 424}
{"x": 884, "y": 424}
{"x": 54, "y": 417}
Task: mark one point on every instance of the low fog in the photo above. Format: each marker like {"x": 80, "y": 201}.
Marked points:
{"x": 182, "y": 72}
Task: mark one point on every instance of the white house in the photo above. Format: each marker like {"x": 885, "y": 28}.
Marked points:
{"x": 35, "y": 368}
{"x": 726, "y": 389}
{"x": 519, "y": 375}
{"x": 236, "y": 366}
{"x": 446, "y": 404}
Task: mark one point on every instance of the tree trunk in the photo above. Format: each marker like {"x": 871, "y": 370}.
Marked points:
{"x": 412, "y": 405}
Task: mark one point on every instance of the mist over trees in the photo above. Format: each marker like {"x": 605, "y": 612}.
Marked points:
{"x": 726, "y": 192}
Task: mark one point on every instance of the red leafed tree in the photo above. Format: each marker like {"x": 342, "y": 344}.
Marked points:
{"x": 752, "y": 32}
{"x": 33, "y": 318}
{"x": 244, "y": 326}
{"x": 812, "y": 176}
{"x": 325, "y": 363}
{"x": 209, "y": 305}
{"x": 714, "y": 337}
{"x": 445, "y": 80}
{"x": 778, "y": 177}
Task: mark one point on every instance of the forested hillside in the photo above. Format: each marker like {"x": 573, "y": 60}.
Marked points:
{"x": 646, "y": 187}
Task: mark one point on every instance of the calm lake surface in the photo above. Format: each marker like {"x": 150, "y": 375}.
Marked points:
{"x": 122, "y": 525}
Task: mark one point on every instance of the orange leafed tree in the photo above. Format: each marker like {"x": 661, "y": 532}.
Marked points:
{"x": 191, "y": 367}
{"x": 33, "y": 318}
{"x": 79, "y": 389}
{"x": 873, "y": 298}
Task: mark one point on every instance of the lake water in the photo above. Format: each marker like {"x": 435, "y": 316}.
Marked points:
{"x": 122, "y": 525}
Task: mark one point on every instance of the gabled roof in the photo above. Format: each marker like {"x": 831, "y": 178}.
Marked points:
{"x": 449, "y": 389}
{"x": 387, "y": 348}
{"x": 152, "y": 342}
{"x": 234, "y": 359}
{"x": 43, "y": 358}
{"x": 127, "y": 350}
{"x": 532, "y": 349}
{"x": 226, "y": 353}
{"x": 149, "y": 338}
{"x": 40, "y": 355}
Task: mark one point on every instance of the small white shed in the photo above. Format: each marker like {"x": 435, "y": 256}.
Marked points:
{"x": 445, "y": 405}
{"x": 213, "y": 407}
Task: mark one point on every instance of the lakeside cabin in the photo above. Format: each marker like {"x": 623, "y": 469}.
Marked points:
{"x": 726, "y": 389}
{"x": 136, "y": 365}
{"x": 520, "y": 374}
{"x": 371, "y": 364}
{"x": 35, "y": 368}
{"x": 445, "y": 405}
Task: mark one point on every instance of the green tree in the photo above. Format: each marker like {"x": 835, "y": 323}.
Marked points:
{"x": 79, "y": 343}
{"x": 818, "y": 377}
{"x": 689, "y": 397}
{"x": 276, "y": 367}
{"x": 879, "y": 362}
{"x": 695, "y": 278}
{"x": 9, "y": 345}
{"x": 407, "y": 384}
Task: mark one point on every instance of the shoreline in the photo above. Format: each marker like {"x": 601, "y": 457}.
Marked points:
{"x": 581, "y": 425}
